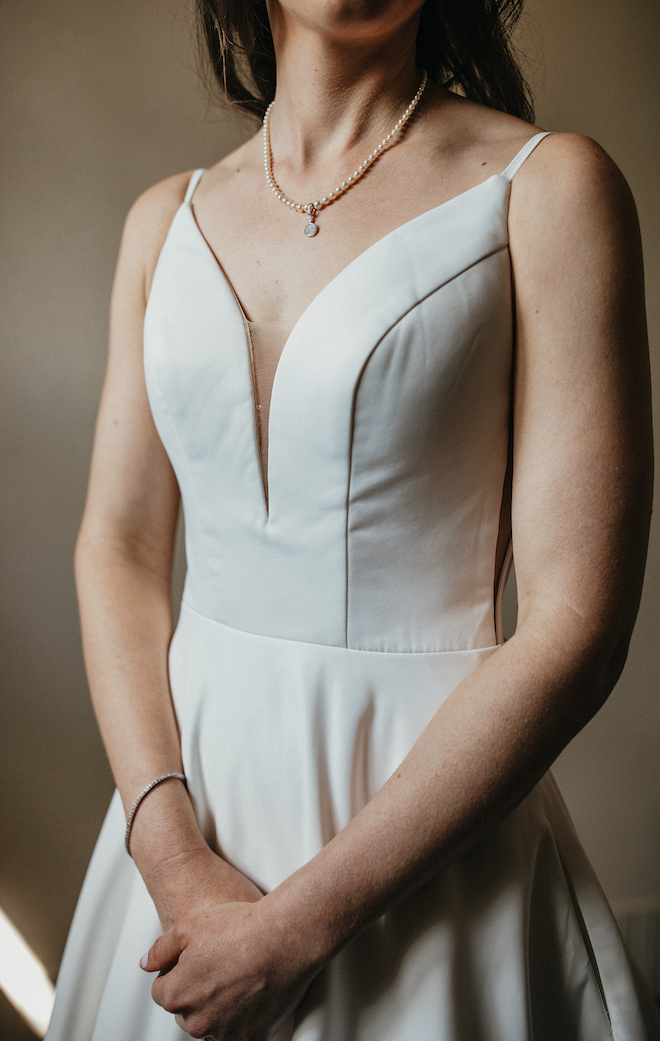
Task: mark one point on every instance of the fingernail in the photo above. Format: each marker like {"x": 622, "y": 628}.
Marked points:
{"x": 144, "y": 961}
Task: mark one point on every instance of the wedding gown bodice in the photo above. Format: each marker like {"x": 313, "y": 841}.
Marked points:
{"x": 387, "y": 436}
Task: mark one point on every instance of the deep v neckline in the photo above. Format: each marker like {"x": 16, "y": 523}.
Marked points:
{"x": 374, "y": 245}
{"x": 314, "y": 302}
{"x": 407, "y": 226}
{"x": 507, "y": 175}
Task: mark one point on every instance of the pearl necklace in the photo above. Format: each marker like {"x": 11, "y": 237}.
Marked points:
{"x": 312, "y": 208}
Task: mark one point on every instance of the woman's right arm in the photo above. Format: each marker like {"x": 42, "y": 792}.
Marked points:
{"x": 123, "y": 572}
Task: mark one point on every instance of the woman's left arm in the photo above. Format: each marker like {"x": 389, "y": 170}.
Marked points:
{"x": 581, "y": 507}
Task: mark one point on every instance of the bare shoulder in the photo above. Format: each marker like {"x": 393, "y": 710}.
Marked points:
{"x": 240, "y": 171}
{"x": 151, "y": 214}
{"x": 475, "y": 140}
{"x": 576, "y": 252}
{"x": 147, "y": 224}
{"x": 571, "y": 187}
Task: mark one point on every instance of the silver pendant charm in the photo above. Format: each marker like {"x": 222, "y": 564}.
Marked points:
{"x": 310, "y": 228}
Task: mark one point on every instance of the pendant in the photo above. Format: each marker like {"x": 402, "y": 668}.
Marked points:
{"x": 310, "y": 228}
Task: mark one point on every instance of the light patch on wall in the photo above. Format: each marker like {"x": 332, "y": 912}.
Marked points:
{"x": 24, "y": 979}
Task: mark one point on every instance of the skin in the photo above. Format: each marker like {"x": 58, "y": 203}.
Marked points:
{"x": 234, "y": 963}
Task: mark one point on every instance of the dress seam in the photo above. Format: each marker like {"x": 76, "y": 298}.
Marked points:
{"x": 337, "y": 646}
{"x": 351, "y": 435}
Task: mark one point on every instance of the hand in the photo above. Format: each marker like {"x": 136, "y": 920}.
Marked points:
{"x": 231, "y": 972}
{"x": 196, "y": 881}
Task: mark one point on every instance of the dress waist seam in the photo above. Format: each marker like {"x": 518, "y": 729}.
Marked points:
{"x": 336, "y": 648}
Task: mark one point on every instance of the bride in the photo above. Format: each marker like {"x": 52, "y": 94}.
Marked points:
{"x": 394, "y": 331}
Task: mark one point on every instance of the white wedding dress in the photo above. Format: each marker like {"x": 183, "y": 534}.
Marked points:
{"x": 327, "y": 613}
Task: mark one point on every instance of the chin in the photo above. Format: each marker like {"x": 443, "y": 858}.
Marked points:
{"x": 351, "y": 18}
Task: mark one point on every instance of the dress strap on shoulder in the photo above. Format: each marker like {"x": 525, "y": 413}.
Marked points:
{"x": 526, "y": 150}
{"x": 192, "y": 183}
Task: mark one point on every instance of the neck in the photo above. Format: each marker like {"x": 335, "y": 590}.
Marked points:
{"x": 335, "y": 97}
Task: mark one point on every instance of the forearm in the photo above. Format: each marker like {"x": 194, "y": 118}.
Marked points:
{"x": 127, "y": 628}
{"x": 483, "y": 751}
{"x": 124, "y": 594}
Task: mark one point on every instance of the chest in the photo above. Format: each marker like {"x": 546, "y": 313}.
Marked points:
{"x": 274, "y": 269}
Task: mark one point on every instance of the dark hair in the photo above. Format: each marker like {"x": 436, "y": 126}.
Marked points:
{"x": 463, "y": 44}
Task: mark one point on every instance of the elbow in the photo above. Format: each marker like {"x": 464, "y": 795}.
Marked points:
{"x": 86, "y": 553}
{"x": 606, "y": 633}
{"x": 613, "y": 659}
{"x": 598, "y": 663}
{"x": 102, "y": 553}
{"x": 88, "y": 565}
{"x": 80, "y": 554}
{"x": 584, "y": 653}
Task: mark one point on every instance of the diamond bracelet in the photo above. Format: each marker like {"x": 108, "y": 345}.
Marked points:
{"x": 141, "y": 796}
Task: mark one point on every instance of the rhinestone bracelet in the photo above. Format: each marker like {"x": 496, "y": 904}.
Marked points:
{"x": 141, "y": 796}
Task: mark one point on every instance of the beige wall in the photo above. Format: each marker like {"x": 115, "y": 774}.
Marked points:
{"x": 101, "y": 100}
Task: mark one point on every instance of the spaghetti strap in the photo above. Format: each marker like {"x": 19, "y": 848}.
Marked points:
{"x": 526, "y": 150}
{"x": 192, "y": 184}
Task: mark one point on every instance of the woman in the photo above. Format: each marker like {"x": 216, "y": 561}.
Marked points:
{"x": 336, "y": 408}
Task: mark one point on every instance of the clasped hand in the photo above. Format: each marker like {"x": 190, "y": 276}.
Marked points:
{"x": 228, "y": 971}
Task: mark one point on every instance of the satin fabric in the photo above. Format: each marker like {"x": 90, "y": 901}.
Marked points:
{"x": 329, "y": 609}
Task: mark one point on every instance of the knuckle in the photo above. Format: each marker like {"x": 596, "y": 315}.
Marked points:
{"x": 197, "y": 1026}
{"x": 180, "y": 934}
{"x": 161, "y": 998}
